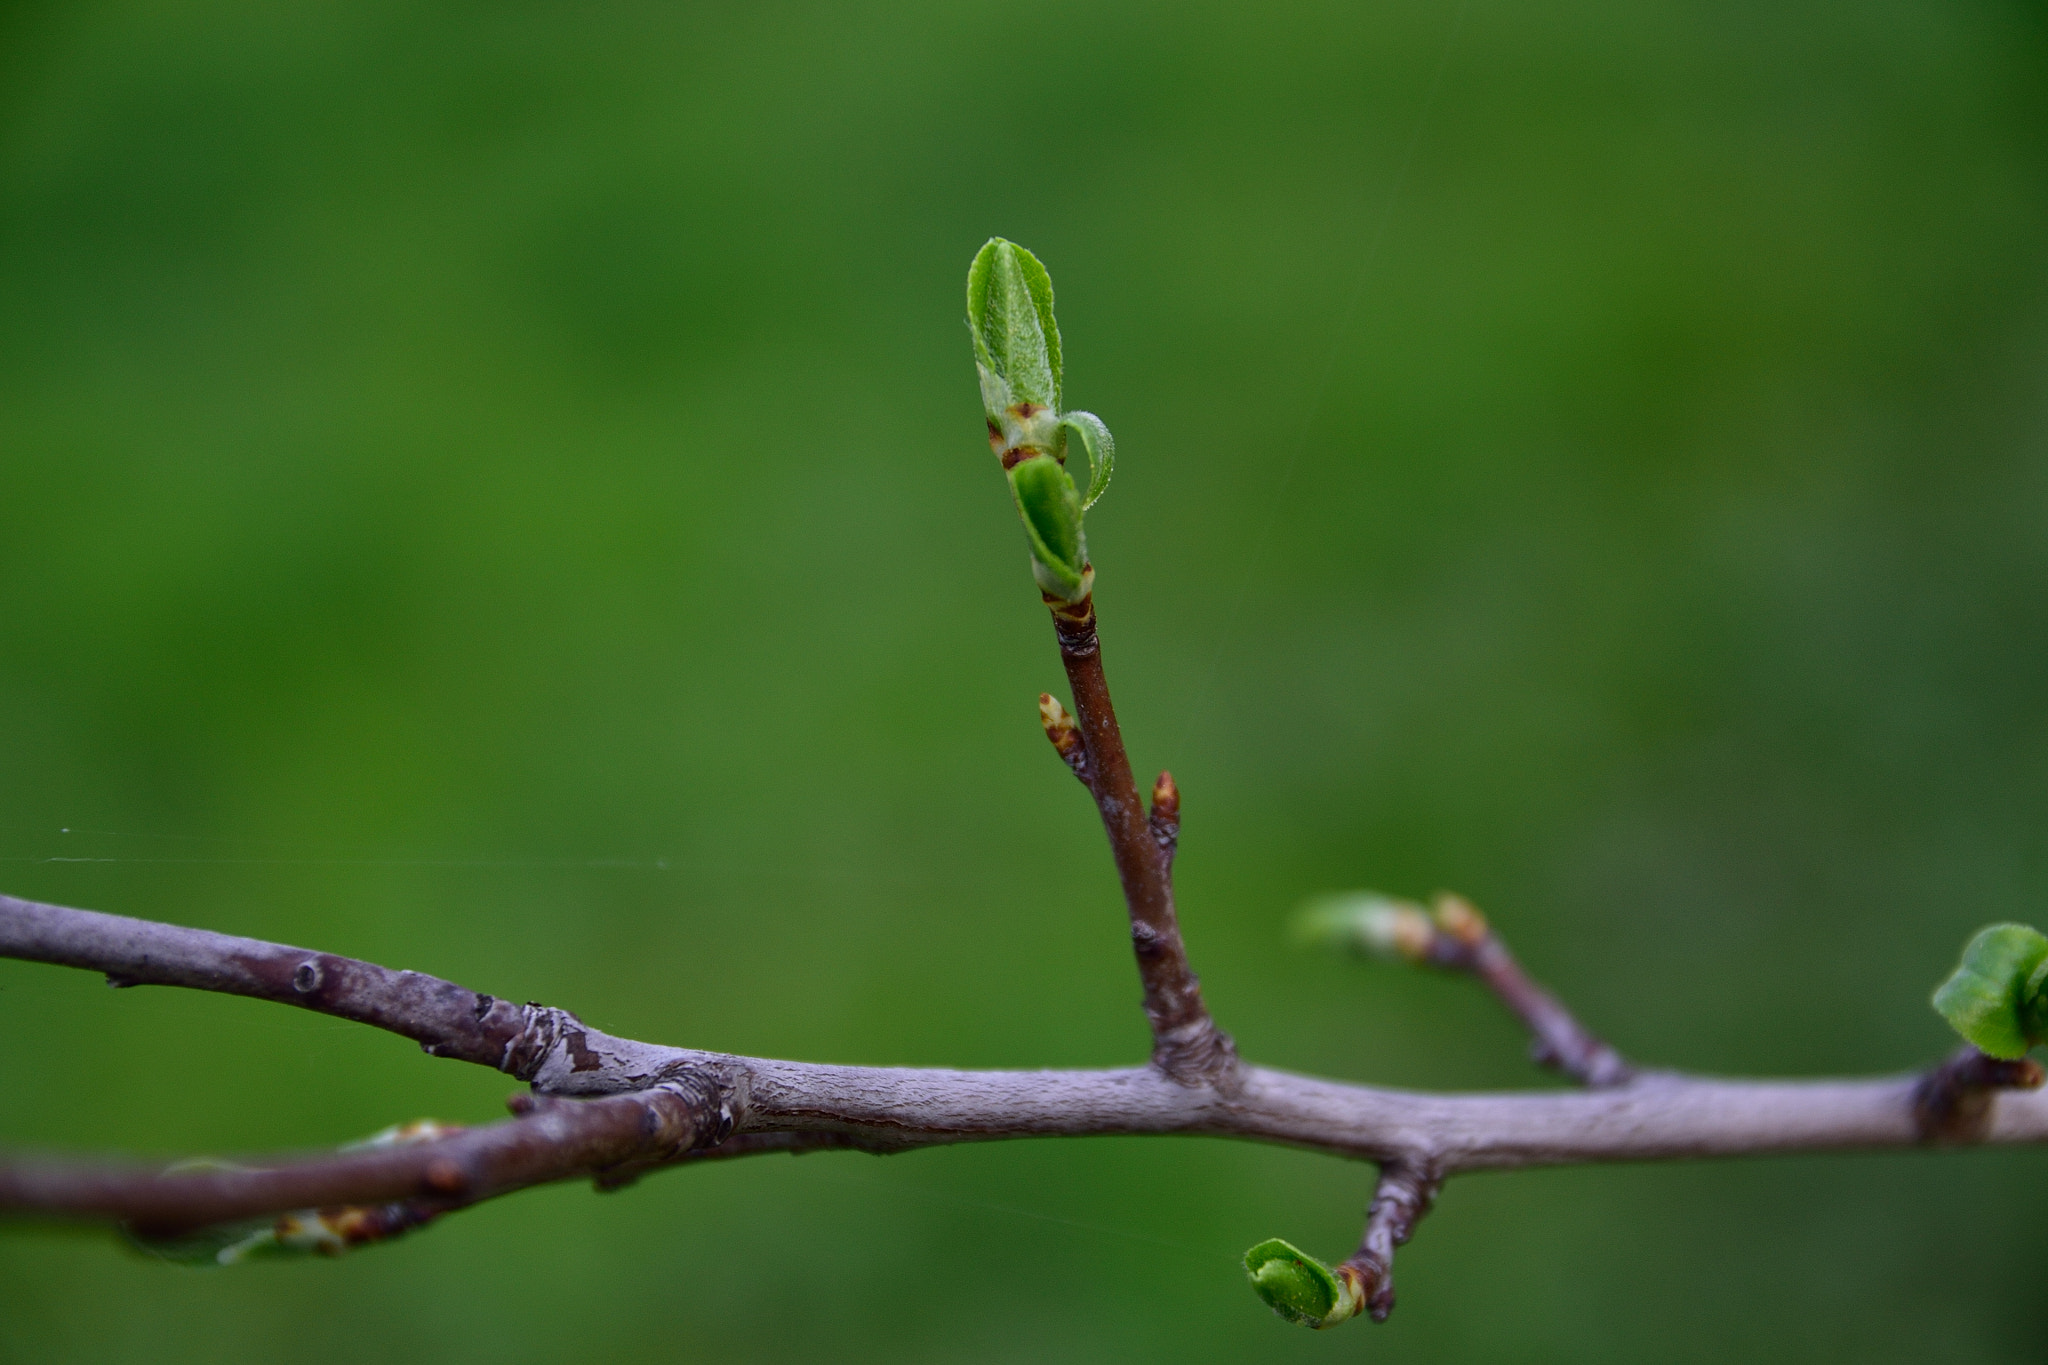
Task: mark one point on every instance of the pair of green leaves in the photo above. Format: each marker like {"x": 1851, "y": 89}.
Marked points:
{"x": 1998, "y": 997}
{"x": 1017, "y": 354}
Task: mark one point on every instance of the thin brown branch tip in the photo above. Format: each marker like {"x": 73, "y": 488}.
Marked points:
{"x": 1403, "y": 1196}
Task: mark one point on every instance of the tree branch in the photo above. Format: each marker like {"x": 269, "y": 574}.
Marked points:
{"x": 1186, "y": 1044}
{"x": 552, "y": 1140}
{"x": 445, "y": 1019}
{"x": 1404, "y": 1195}
{"x": 1953, "y": 1102}
{"x": 1462, "y": 940}
{"x": 772, "y": 1105}
{"x": 613, "y": 1109}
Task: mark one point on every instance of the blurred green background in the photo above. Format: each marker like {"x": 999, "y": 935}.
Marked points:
{"x": 499, "y": 489}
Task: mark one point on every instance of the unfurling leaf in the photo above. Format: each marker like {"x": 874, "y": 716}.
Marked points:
{"x": 1998, "y": 997}
{"x": 1101, "y": 448}
{"x": 304, "y": 1232}
{"x": 1017, "y": 355}
{"x": 1301, "y": 1288}
{"x": 1052, "y": 523}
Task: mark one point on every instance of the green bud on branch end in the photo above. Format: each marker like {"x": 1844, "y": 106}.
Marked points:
{"x": 1301, "y": 1288}
{"x": 1051, "y": 510}
{"x": 1367, "y": 923}
{"x": 1017, "y": 356}
{"x": 1997, "y": 998}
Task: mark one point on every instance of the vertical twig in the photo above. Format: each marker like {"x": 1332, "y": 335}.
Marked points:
{"x": 1186, "y": 1044}
{"x": 1404, "y": 1195}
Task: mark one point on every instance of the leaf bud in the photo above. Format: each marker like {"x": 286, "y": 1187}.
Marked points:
{"x": 1997, "y": 998}
{"x": 1017, "y": 357}
{"x": 1016, "y": 344}
{"x": 1456, "y": 916}
{"x": 1301, "y": 1288}
{"x": 1063, "y": 731}
{"x": 1368, "y": 923}
{"x": 1166, "y": 798}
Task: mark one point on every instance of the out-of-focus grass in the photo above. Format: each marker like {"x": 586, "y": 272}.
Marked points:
{"x": 499, "y": 490}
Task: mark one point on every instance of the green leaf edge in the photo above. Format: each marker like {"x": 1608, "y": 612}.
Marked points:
{"x": 1101, "y": 449}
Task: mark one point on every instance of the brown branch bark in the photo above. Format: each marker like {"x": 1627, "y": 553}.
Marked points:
{"x": 553, "y": 1140}
{"x": 771, "y": 1105}
{"x": 1462, "y": 940}
{"x": 1186, "y": 1044}
{"x": 1953, "y": 1102}
{"x": 1403, "y": 1196}
{"x": 445, "y": 1019}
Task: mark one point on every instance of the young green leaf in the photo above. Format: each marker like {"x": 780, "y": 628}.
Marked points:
{"x": 1301, "y": 1288}
{"x": 1101, "y": 448}
{"x": 1052, "y": 523}
{"x": 1998, "y": 997}
{"x": 1017, "y": 356}
{"x": 1016, "y": 339}
{"x": 219, "y": 1245}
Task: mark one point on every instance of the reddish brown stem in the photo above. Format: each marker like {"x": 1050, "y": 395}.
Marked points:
{"x": 1186, "y": 1044}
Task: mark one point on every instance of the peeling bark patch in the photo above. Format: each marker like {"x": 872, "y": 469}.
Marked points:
{"x": 581, "y": 1058}
{"x": 483, "y": 1006}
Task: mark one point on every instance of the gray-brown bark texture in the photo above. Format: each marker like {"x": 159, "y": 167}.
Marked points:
{"x": 701, "y": 1100}
{"x": 613, "y": 1108}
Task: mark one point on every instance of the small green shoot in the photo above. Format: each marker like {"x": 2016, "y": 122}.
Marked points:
{"x": 1017, "y": 355}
